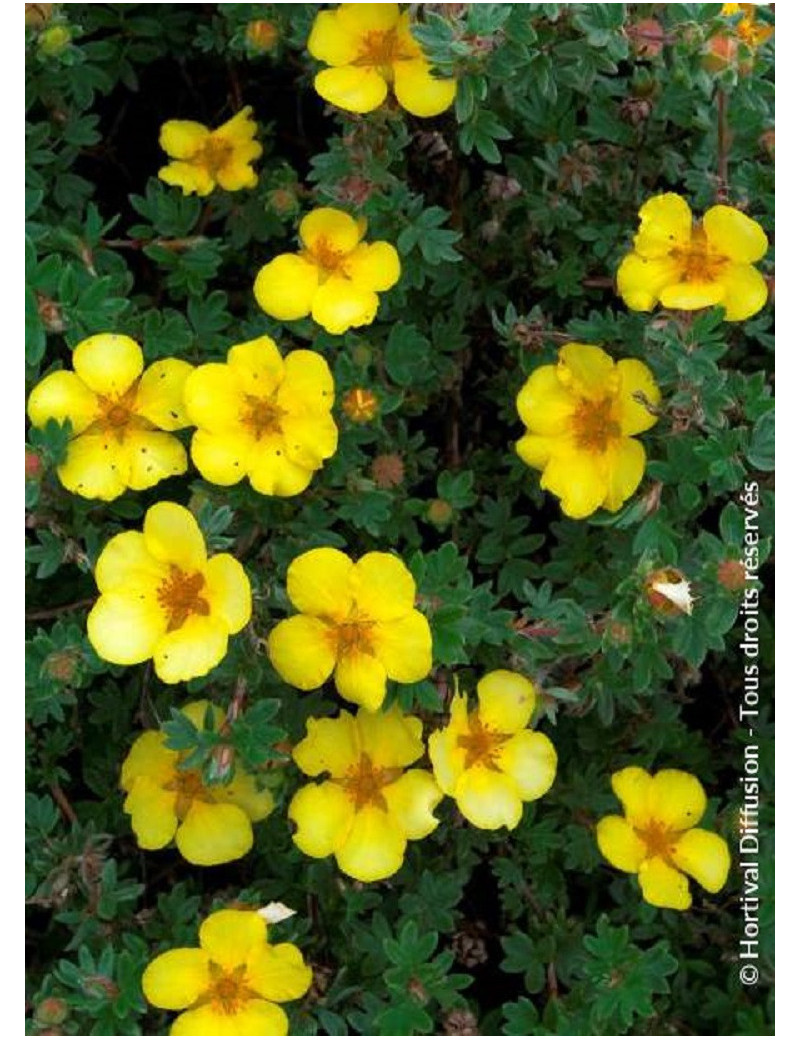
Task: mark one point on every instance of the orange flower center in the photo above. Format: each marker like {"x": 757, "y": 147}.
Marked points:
{"x": 179, "y": 597}
{"x": 228, "y": 990}
{"x": 380, "y": 49}
{"x": 481, "y": 744}
{"x": 326, "y": 256}
{"x": 659, "y": 840}
{"x": 354, "y": 635}
{"x": 700, "y": 263}
{"x": 593, "y": 425}
{"x": 262, "y": 416}
{"x": 214, "y": 155}
{"x": 117, "y": 414}
{"x": 188, "y": 783}
{"x": 365, "y": 781}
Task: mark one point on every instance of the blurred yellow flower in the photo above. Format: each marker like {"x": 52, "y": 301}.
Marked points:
{"x": 657, "y": 838}
{"x": 118, "y": 416}
{"x": 687, "y": 265}
{"x": 336, "y": 277}
{"x": 371, "y": 806}
{"x": 263, "y": 417}
{"x": 370, "y": 48}
{"x": 748, "y": 28}
{"x": 360, "y": 405}
{"x": 203, "y": 158}
{"x": 211, "y": 823}
{"x": 581, "y": 417}
{"x": 163, "y": 597}
{"x": 233, "y": 983}
{"x": 357, "y": 621}
{"x": 488, "y": 759}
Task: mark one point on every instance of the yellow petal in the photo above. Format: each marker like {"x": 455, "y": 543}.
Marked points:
{"x": 361, "y": 678}
{"x": 189, "y": 177}
{"x": 125, "y": 629}
{"x": 237, "y": 173}
{"x": 213, "y": 398}
{"x": 302, "y": 652}
{"x": 340, "y": 305}
{"x": 309, "y": 439}
{"x": 355, "y": 88}
{"x": 149, "y": 757}
{"x": 411, "y": 801}
{"x": 745, "y": 291}
{"x": 222, "y": 457}
{"x": 332, "y": 41}
{"x": 620, "y": 844}
{"x": 447, "y": 758}
{"x": 324, "y": 815}
{"x": 97, "y": 466}
{"x": 530, "y": 760}
{"x": 535, "y": 450}
{"x": 231, "y": 937}
{"x": 307, "y": 383}
{"x": 366, "y": 18}
{"x": 586, "y": 370}
{"x": 692, "y": 296}
{"x": 666, "y": 222}
{"x": 228, "y": 591}
{"x": 664, "y": 886}
{"x": 374, "y": 266}
{"x": 107, "y": 363}
{"x": 239, "y": 129}
{"x": 640, "y": 280}
{"x": 125, "y": 565}
{"x": 676, "y": 800}
{"x": 404, "y": 647}
{"x": 488, "y": 799}
{"x": 182, "y": 138}
{"x": 332, "y": 745}
{"x": 159, "y": 396}
{"x": 418, "y": 91}
{"x": 391, "y": 739}
{"x": 191, "y": 650}
{"x": 62, "y": 396}
{"x": 704, "y": 856}
{"x": 332, "y": 228}
{"x": 152, "y": 811}
{"x": 272, "y": 471}
{"x": 175, "y": 979}
{"x": 285, "y": 287}
{"x": 374, "y": 848}
{"x": 243, "y": 790}
{"x": 279, "y": 973}
{"x": 214, "y": 834}
{"x": 317, "y": 583}
{"x": 507, "y": 700}
{"x": 257, "y": 366}
{"x": 544, "y": 404}
{"x": 153, "y": 456}
{"x": 196, "y": 712}
{"x": 635, "y": 379}
{"x": 734, "y": 235}
{"x": 579, "y": 479}
{"x": 172, "y": 536}
{"x": 632, "y": 786}
{"x": 383, "y": 586}
{"x": 626, "y": 461}
{"x": 255, "y": 1018}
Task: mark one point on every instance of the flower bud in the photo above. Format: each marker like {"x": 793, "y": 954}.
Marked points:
{"x": 439, "y": 512}
{"x": 33, "y": 464}
{"x": 668, "y": 592}
{"x": 388, "y": 471}
{"x": 283, "y": 201}
{"x": 731, "y": 575}
{"x": 62, "y": 665}
{"x": 38, "y": 15}
{"x": 261, "y": 35}
{"x": 51, "y": 1011}
{"x": 647, "y": 37}
{"x": 54, "y": 41}
{"x": 360, "y": 405}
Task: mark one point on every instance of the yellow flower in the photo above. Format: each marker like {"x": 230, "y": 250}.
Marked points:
{"x": 487, "y": 759}
{"x": 360, "y": 405}
{"x": 119, "y": 417}
{"x": 203, "y": 158}
{"x": 211, "y": 824}
{"x": 357, "y": 620}
{"x": 369, "y": 808}
{"x": 262, "y": 416}
{"x": 370, "y": 48}
{"x": 687, "y": 265}
{"x": 748, "y": 28}
{"x": 657, "y": 838}
{"x": 232, "y": 983}
{"x": 335, "y": 277}
{"x": 581, "y": 417}
{"x": 162, "y": 597}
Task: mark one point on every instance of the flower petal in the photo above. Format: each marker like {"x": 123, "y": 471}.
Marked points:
{"x": 340, "y": 305}
{"x": 97, "y": 466}
{"x": 641, "y": 280}
{"x": 279, "y": 973}
{"x": 255, "y": 1018}
{"x": 330, "y": 744}
{"x": 213, "y": 398}
{"x": 222, "y": 457}
{"x": 152, "y": 811}
{"x": 302, "y": 652}
{"x": 214, "y": 834}
{"x": 488, "y": 799}
{"x": 332, "y": 228}
{"x": 383, "y": 586}
{"x": 530, "y": 760}
{"x": 361, "y": 678}
{"x": 536, "y": 451}
{"x": 703, "y": 855}
{"x": 175, "y": 979}
{"x": 172, "y": 535}
{"x": 632, "y": 786}
{"x": 620, "y": 844}
{"x": 635, "y": 378}
{"x": 374, "y": 266}
{"x": 107, "y": 363}
{"x": 418, "y": 91}
{"x": 664, "y": 886}
{"x": 228, "y": 591}
{"x": 745, "y": 291}
{"x": 243, "y": 790}
{"x": 507, "y": 700}
{"x": 366, "y": 18}
{"x": 62, "y": 396}
{"x": 404, "y": 647}
{"x": 182, "y": 138}
{"x": 324, "y": 815}
{"x": 625, "y": 460}
{"x": 124, "y": 628}
{"x": 586, "y": 370}
{"x": 231, "y": 937}
{"x": 309, "y": 439}
{"x": 676, "y": 799}
{"x": 149, "y": 756}
{"x": 411, "y": 801}
{"x": 191, "y": 650}
{"x": 153, "y": 456}
{"x": 125, "y": 565}
{"x": 374, "y": 848}
{"x": 578, "y": 478}
{"x": 692, "y": 295}
{"x": 189, "y": 177}
{"x": 332, "y": 41}
{"x": 447, "y": 758}
{"x": 285, "y": 287}
{"x": 735, "y": 235}
{"x": 355, "y": 88}
{"x": 272, "y": 472}
{"x": 666, "y": 222}
{"x": 307, "y": 383}
{"x": 159, "y": 396}
{"x": 257, "y": 366}
{"x": 544, "y": 404}
{"x": 391, "y": 739}
{"x": 317, "y": 583}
